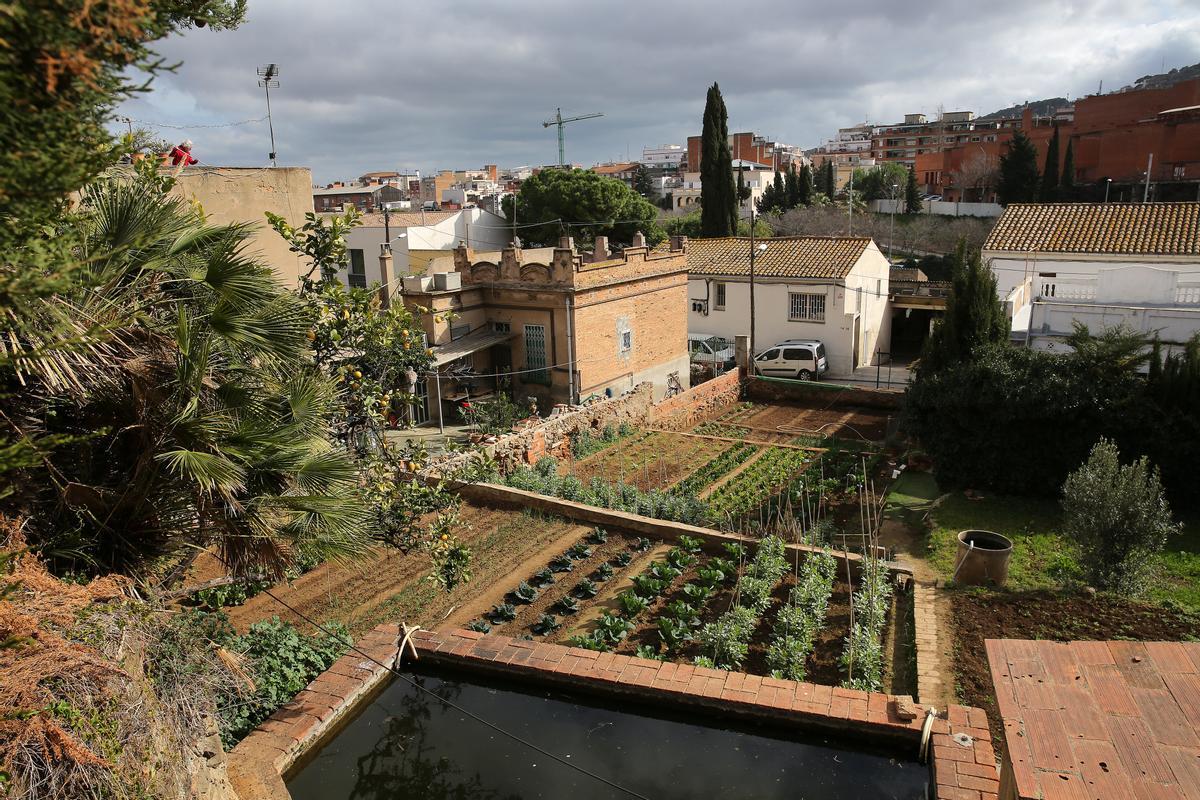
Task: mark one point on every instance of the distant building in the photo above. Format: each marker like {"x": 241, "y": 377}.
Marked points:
{"x": 1101, "y": 264}
{"x": 552, "y": 323}
{"x": 667, "y": 157}
{"x": 806, "y": 287}
{"x": 754, "y": 148}
{"x": 338, "y": 196}
{"x": 421, "y": 241}
{"x": 624, "y": 171}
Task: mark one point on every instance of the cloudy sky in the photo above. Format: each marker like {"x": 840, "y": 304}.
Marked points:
{"x": 373, "y": 85}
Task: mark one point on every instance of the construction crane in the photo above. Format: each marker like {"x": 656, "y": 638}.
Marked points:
{"x": 559, "y": 121}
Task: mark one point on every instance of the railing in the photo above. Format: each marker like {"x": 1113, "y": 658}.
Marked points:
{"x": 1053, "y": 289}
{"x": 1188, "y": 294}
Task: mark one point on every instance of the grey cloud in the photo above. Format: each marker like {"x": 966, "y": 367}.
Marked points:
{"x": 369, "y": 84}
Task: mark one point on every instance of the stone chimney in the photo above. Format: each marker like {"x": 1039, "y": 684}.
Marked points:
{"x": 385, "y": 274}
{"x": 679, "y": 244}
{"x": 566, "y": 243}
{"x": 639, "y": 240}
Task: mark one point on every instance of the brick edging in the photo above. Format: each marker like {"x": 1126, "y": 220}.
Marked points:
{"x": 259, "y": 762}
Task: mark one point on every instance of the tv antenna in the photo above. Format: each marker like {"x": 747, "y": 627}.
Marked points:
{"x": 560, "y": 121}
{"x": 267, "y": 79}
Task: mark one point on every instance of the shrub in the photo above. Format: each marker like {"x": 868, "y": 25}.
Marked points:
{"x": 1119, "y": 516}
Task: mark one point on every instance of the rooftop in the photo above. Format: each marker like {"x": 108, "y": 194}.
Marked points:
{"x": 785, "y": 256}
{"x": 612, "y": 169}
{"x": 1107, "y": 228}
{"x": 1099, "y": 719}
{"x": 407, "y": 219}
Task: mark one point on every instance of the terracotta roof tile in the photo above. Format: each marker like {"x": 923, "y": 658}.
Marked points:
{"x": 1125, "y": 724}
{"x": 785, "y": 256}
{"x": 1109, "y": 228}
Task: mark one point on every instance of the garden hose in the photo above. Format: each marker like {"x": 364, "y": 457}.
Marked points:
{"x": 926, "y": 734}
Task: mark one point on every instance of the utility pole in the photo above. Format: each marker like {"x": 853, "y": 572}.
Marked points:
{"x": 754, "y": 249}
{"x": 268, "y": 74}
{"x": 560, "y": 121}
{"x": 892, "y": 224}
{"x": 850, "y": 202}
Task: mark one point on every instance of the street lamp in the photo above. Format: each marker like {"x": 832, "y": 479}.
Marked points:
{"x": 754, "y": 250}
{"x": 1107, "y": 186}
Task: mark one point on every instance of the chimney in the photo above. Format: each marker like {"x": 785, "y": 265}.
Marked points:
{"x": 385, "y": 274}
{"x": 678, "y": 243}
{"x": 639, "y": 240}
{"x": 566, "y": 243}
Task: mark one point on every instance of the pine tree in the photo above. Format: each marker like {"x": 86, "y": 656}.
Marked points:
{"x": 1048, "y": 192}
{"x": 1018, "y": 171}
{"x": 793, "y": 187}
{"x": 642, "y": 184}
{"x": 1066, "y": 184}
{"x": 974, "y": 315}
{"x": 912, "y": 195}
{"x": 806, "y": 186}
{"x": 718, "y": 204}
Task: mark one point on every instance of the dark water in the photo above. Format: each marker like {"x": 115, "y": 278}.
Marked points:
{"x": 410, "y": 744}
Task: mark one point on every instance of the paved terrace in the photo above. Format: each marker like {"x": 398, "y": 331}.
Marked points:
{"x": 1098, "y": 720}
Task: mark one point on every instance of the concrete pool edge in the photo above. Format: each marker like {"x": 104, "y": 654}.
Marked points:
{"x": 961, "y": 770}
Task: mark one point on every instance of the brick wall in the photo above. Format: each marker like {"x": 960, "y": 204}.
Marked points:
{"x": 699, "y": 403}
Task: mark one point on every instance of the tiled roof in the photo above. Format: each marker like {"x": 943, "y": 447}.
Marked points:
{"x": 336, "y": 190}
{"x": 612, "y": 169}
{"x": 1103, "y": 720}
{"x": 1112, "y": 228}
{"x": 785, "y": 257}
{"x": 407, "y": 219}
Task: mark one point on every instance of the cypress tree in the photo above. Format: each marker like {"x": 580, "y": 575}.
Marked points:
{"x": 806, "y": 186}
{"x": 912, "y": 195}
{"x": 1018, "y": 171}
{"x": 974, "y": 315}
{"x": 793, "y": 187}
{"x": 1049, "y": 186}
{"x": 827, "y": 186}
{"x": 1066, "y": 184}
{"x": 718, "y": 204}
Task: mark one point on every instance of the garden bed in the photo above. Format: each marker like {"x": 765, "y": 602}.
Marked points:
{"x": 647, "y": 460}
{"x": 981, "y": 615}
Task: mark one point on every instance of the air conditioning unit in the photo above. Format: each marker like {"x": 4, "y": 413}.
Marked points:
{"x": 700, "y": 306}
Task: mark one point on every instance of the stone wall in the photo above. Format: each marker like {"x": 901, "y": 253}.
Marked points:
{"x": 699, "y": 403}
{"x": 830, "y": 395}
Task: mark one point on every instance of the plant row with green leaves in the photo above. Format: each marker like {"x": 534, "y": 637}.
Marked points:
{"x": 862, "y": 658}
{"x": 586, "y": 443}
{"x": 714, "y": 470}
{"x": 802, "y": 618}
{"x": 527, "y": 592}
{"x": 726, "y": 641}
{"x": 543, "y": 478}
{"x": 757, "y": 483}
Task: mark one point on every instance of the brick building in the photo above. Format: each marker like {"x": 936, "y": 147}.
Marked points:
{"x": 552, "y": 323}
{"x": 365, "y": 198}
{"x": 623, "y": 171}
{"x": 751, "y": 147}
{"x": 1113, "y": 136}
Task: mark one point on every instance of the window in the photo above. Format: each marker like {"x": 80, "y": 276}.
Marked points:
{"x": 535, "y": 355}
{"x": 501, "y": 327}
{"x": 770, "y": 355}
{"x": 626, "y": 341}
{"x": 797, "y": 354}
{"x": 879, "y": 287}
{"x": 358, "y": 270}
{"x": 719, "y": 295}
{"x": 806, "y": 307}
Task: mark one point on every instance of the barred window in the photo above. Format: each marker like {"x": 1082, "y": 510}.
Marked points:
{"x": 807, "y": 307}
{"x": 719, "y": 295}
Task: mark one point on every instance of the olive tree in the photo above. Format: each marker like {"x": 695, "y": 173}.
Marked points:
{"x": 1119, "y": 516}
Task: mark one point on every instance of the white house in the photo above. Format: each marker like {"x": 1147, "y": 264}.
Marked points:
{"x": 806, "y": 287}
{"x": 1100, "y": 264}
{"x": 422, "y": 241}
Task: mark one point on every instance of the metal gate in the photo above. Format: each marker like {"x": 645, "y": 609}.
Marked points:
{"x": 535, "y": 355}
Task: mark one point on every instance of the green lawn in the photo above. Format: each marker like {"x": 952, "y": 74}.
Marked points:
{"x": 1042, "y": 557}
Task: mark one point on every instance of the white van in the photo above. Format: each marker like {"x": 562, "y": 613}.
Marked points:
{"x": 708, "y": 350}
{"x": 794, "y": 358}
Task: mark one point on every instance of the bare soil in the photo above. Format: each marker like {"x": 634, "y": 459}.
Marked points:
{"x": 981, "y": 615}
{"x": 783, "y": 422}
{"x": 388, "y": 586}
{"x": 652, "y": 460}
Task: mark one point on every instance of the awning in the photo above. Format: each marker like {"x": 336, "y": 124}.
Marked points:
{"x": 471, "y": 343}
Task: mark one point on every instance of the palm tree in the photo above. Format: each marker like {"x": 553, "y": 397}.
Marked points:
{"x": 198, "y": 418}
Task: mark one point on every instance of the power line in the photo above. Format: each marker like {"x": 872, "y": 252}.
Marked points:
{"x": 487, "y": 723}
{"x": 192, "y": 127}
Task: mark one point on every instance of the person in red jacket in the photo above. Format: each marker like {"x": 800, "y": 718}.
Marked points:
{"x": 182, "y": 154}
